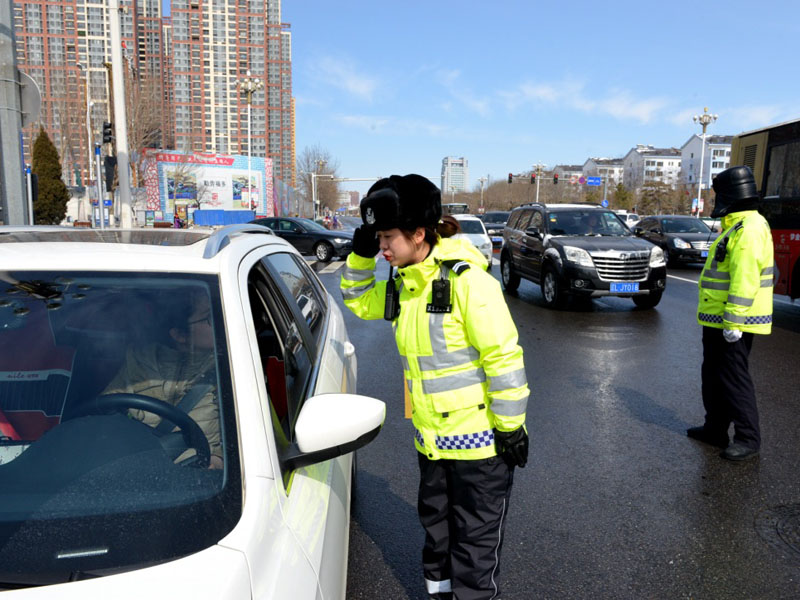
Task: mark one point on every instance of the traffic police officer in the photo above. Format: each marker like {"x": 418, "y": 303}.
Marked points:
{"x": 735, "y": 303}
{"x": 464, "y": 372}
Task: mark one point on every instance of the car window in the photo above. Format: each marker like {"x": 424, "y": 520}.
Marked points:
{"x": 290, "y": 226}
{"x": 471, "y": 226}
{"x": 108, "y": 370}
{"x": 586, "y": 222}
{"x": 306, "y": 294}
{"x": 495, "y": 217}
{"x": 285, "y": 360}
{"x": 524, "y": 219}
{"x": 537, "y": 220}
{"x": 513, "y": 219}
{"x": 685, "y": 225}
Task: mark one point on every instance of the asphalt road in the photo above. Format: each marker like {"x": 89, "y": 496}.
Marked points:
{"x": 616, "y": 501}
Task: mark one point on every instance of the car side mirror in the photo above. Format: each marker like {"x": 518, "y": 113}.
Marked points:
{"x": 331, "y": 425}
{"x": 637, "y": 230}
{"x": 655, "y": 230}
{"x": 534, "y": 232}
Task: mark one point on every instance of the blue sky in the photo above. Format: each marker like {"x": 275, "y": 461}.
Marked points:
{"x": 393, "y": 87}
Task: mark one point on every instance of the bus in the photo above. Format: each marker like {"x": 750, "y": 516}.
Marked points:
{"x": 773, "y": 154}
{"x": 455, "y": 208}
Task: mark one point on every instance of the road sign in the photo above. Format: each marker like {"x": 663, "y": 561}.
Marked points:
{"x": 594, "y": 181}
{"x": 604, "y": 203}
{"x": 573, "y": 179}
{"x": 582, "y": 180}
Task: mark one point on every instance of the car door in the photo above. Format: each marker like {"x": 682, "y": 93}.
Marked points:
{"x": 527, "y": 246}
{"x": 297, "y": 313}
{"x": 294, "y": 233}
{"x": 535, "y": 243}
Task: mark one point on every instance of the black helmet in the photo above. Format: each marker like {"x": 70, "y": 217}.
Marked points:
{"x": 735, "y": 191}
{"x": 407, "y": 202}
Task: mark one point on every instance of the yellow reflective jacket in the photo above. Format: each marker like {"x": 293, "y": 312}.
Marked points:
{"x": 736, "y": 293}
{"x": 464, "y": 369}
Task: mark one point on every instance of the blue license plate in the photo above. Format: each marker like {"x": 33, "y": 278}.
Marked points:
{"x": 624, "y": 287}
{"x": 497, "y": 240}
{"x": 703, "y": 253}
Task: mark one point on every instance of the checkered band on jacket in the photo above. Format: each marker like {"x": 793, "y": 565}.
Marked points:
{"x": 758, "y": 320}
{"x": 466, "y": 441}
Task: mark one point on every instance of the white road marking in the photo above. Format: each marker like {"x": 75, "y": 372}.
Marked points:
{"x": 333, "y": 267}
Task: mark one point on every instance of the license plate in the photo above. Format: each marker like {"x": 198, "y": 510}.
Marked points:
{"x": 624, "y": 287}
{"x": 703, "y": 253}
{"x": 497, "y": 240}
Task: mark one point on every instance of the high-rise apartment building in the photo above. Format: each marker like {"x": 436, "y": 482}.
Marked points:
{"x": 455, "y": 174}
{"x": 214, "y": 45}
{"x": 181, "y": 76}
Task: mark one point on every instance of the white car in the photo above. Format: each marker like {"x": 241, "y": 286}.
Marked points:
{"x": 473, "y": 229}
{"x": 241, "y": 488}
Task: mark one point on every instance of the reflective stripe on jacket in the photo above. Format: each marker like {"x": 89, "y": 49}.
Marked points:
{"x": 736, "y": 293}
{"x": 464, "y": 369}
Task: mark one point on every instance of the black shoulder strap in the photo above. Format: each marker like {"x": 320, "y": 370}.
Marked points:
{"x": 187, "y": 404}
{"x": 456, "y": 266}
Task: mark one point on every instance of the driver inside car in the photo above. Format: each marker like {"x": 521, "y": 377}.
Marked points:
{"x": 181, "y": 372}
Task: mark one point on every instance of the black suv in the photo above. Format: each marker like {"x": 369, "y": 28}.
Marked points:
{"x": 582, "y": 250}
{"x": 495, "y": 221}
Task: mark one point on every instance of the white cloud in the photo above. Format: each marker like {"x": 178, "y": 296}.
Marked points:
{"x": 570, "y": 93}
{"x": 449, "y": 79}
{"x": 344, "y": 75}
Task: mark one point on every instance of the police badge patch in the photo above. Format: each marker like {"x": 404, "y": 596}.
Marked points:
{"x": 369, "y": 216}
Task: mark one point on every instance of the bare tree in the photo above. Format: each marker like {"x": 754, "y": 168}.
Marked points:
{"x": 144, "y": 107}
{"x": 318, "y": 160}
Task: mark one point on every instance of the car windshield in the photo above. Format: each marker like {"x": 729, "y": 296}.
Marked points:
{"x": 585, "y": 222}
{"x": 349, "y": 223}
{"x": 684, "y": 225}
{"x": 117, "y": 436}
{"x": 471, "y": 226}
{"x": 496, "y": 217}
{"x": 311, "y": 225}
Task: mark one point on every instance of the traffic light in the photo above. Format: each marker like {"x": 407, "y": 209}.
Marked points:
{"x": 555, "y": 178}
{"x": 533, "y": 178}
{"x": 107, "y": 135}
{"x": 510, "y": 178}
{"x": 109, "y": 165}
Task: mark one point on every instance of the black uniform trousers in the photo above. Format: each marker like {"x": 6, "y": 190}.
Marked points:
{"x": 462, "y": 506}
{"x": 728, "y": 392}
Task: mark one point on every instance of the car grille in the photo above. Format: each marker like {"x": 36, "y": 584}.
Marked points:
{"x": 702, "y": 245}
{"x": 622, "y": 266}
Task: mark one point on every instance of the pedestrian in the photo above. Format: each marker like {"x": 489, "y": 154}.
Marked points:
{"x": 464, "y": 372}
{"x": 735, "y": 303}
{"x": 335, "y": 222}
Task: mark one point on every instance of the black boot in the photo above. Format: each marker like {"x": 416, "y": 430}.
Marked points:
{"x": 701, "y": 434}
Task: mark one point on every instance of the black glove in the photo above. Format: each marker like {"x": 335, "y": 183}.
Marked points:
{"x": 364, "y": 242}
{"x": 512, "y": 446}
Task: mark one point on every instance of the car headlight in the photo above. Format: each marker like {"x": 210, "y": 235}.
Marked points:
{"x": 341, "y": 240}
{"x": 679, "y": 243}
{"x": 657, "y": 257}
{"x": 578, "y": 256}
{"x": 486, "y": 245}
{"x": 494, "y": 232}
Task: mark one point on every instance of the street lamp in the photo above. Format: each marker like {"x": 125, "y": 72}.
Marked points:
{"x": 249, "y": 86}
{"x": 482, "y": 180}
{"x": 320, "y": 164}
{"x": 705, "y": 119}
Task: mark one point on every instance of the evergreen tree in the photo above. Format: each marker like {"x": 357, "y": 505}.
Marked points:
{"x": 50, "y": 206}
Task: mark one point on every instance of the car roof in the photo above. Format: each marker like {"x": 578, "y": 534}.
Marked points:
{"x": 200, "y": 250}
{"x": 465, "y": 217}
{"x": 557, "y": 207}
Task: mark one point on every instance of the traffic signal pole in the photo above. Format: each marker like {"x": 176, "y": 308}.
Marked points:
{"x": 126, "y": 213}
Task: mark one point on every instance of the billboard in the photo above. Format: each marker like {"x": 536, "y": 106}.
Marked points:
{"x": 179, "y": 183}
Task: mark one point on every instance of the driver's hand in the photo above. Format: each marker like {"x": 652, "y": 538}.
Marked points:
{"x": 215, "y": 462}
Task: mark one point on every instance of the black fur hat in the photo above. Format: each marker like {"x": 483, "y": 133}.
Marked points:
{"x": 403, "y": 201}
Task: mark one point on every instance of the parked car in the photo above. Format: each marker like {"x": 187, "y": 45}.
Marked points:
{"x": 682, "y": 238}
{"x": 495, "y": 221}
{"x": 630, "y": 219}
{"x": 310, "y": 237}
{"x": 97, "y": 498}
{"x": 580, "y": 250}
{"x": 473, "y": 229}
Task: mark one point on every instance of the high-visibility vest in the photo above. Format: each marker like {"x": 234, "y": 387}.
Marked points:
{"x": 736, "y": 291}
{"x": 463, "y": 368}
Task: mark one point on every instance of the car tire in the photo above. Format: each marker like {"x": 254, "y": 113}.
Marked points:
{"x": 508, "y": 275}
{"x": 323, "y": 251}
{"x": 551, "y": 289}
{"x": 648, "y": 301}
{"x": 667, "y": 259}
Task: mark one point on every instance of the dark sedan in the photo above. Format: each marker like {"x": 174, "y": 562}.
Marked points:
{"x": 495, "y": 221}
{"x": 310, "y": 237}
{"x": 682, "y": 238}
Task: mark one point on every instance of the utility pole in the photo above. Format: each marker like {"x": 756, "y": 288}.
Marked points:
{"x": 12, "y": 170}
{"x": 538, "y": 167}
{"x": 482, "y": 180}
{"x": 121, "y": 128}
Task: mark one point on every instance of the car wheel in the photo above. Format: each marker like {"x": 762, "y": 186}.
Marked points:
{"x": 551, "y": 290}
{"x": 507, "y": 274}
{"x": 648, "y": 301}
{"x": 323, "y": 251}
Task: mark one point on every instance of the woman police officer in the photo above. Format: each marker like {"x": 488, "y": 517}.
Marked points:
{"x": 464, "y": 372}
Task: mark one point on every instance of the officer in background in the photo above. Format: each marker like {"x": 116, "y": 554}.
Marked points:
{"x": 735, "y": 303}
{"x": 464, "y": 372}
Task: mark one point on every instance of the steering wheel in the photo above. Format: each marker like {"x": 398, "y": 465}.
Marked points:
{"x": 190, "y": 430}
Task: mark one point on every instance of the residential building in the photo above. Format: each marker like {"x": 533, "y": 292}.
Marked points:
{"x": 455, "y": 174}
{"x": 716, "y": 158}
{"x": 610, "y": 169}
{"x": 567, "y": 172}
{"x": 647, "y": 164}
